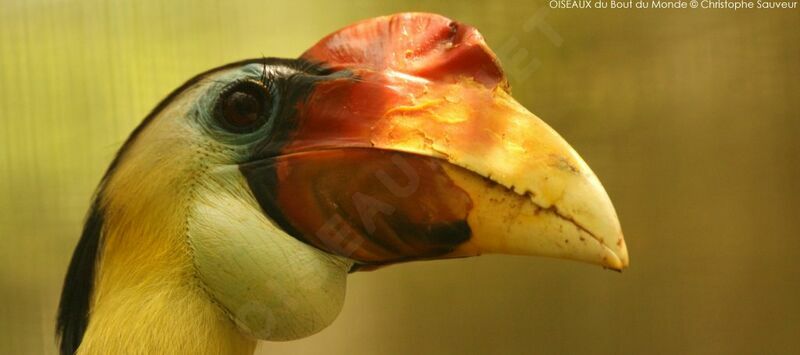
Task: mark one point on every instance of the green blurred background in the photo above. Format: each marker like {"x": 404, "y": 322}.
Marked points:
{"x": 689, "y": 117}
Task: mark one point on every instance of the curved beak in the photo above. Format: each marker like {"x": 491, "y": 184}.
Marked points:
{"x": 536, "y": 195}
{"x": 384, "y": 165}
{"x": 382, "y": 169}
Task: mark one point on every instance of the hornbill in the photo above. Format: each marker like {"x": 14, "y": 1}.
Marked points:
{"x": 236, "y": 209}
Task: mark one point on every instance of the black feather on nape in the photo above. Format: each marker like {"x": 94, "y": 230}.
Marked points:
{"x": 73, "y": 309}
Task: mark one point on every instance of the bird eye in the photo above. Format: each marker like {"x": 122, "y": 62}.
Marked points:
{"x": 244, "y": 107}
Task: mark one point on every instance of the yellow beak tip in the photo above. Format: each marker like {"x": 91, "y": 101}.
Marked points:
{"x": 617, "y": 260}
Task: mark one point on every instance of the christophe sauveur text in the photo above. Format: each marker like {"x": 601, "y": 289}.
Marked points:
{"x": 673, "y": 4}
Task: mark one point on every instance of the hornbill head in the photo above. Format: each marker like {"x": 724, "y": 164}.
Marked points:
{"x": 394, "y": 139}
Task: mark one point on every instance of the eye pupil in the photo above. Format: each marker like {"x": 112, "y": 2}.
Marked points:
{"x": 242, "y": 108}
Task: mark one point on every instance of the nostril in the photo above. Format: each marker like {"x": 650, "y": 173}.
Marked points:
{"x": 453, "y": 28}
{"x": 451, "y": 36}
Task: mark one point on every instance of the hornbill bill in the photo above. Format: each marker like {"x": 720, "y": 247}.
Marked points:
{"x": 235, "y": 211}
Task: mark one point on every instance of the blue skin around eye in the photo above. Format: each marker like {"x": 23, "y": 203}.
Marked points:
{"x": 203, "y": 109}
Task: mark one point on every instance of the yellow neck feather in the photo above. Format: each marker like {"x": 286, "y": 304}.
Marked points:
{"x": 180, "y": 320}
{"x": 146, "y": 297}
